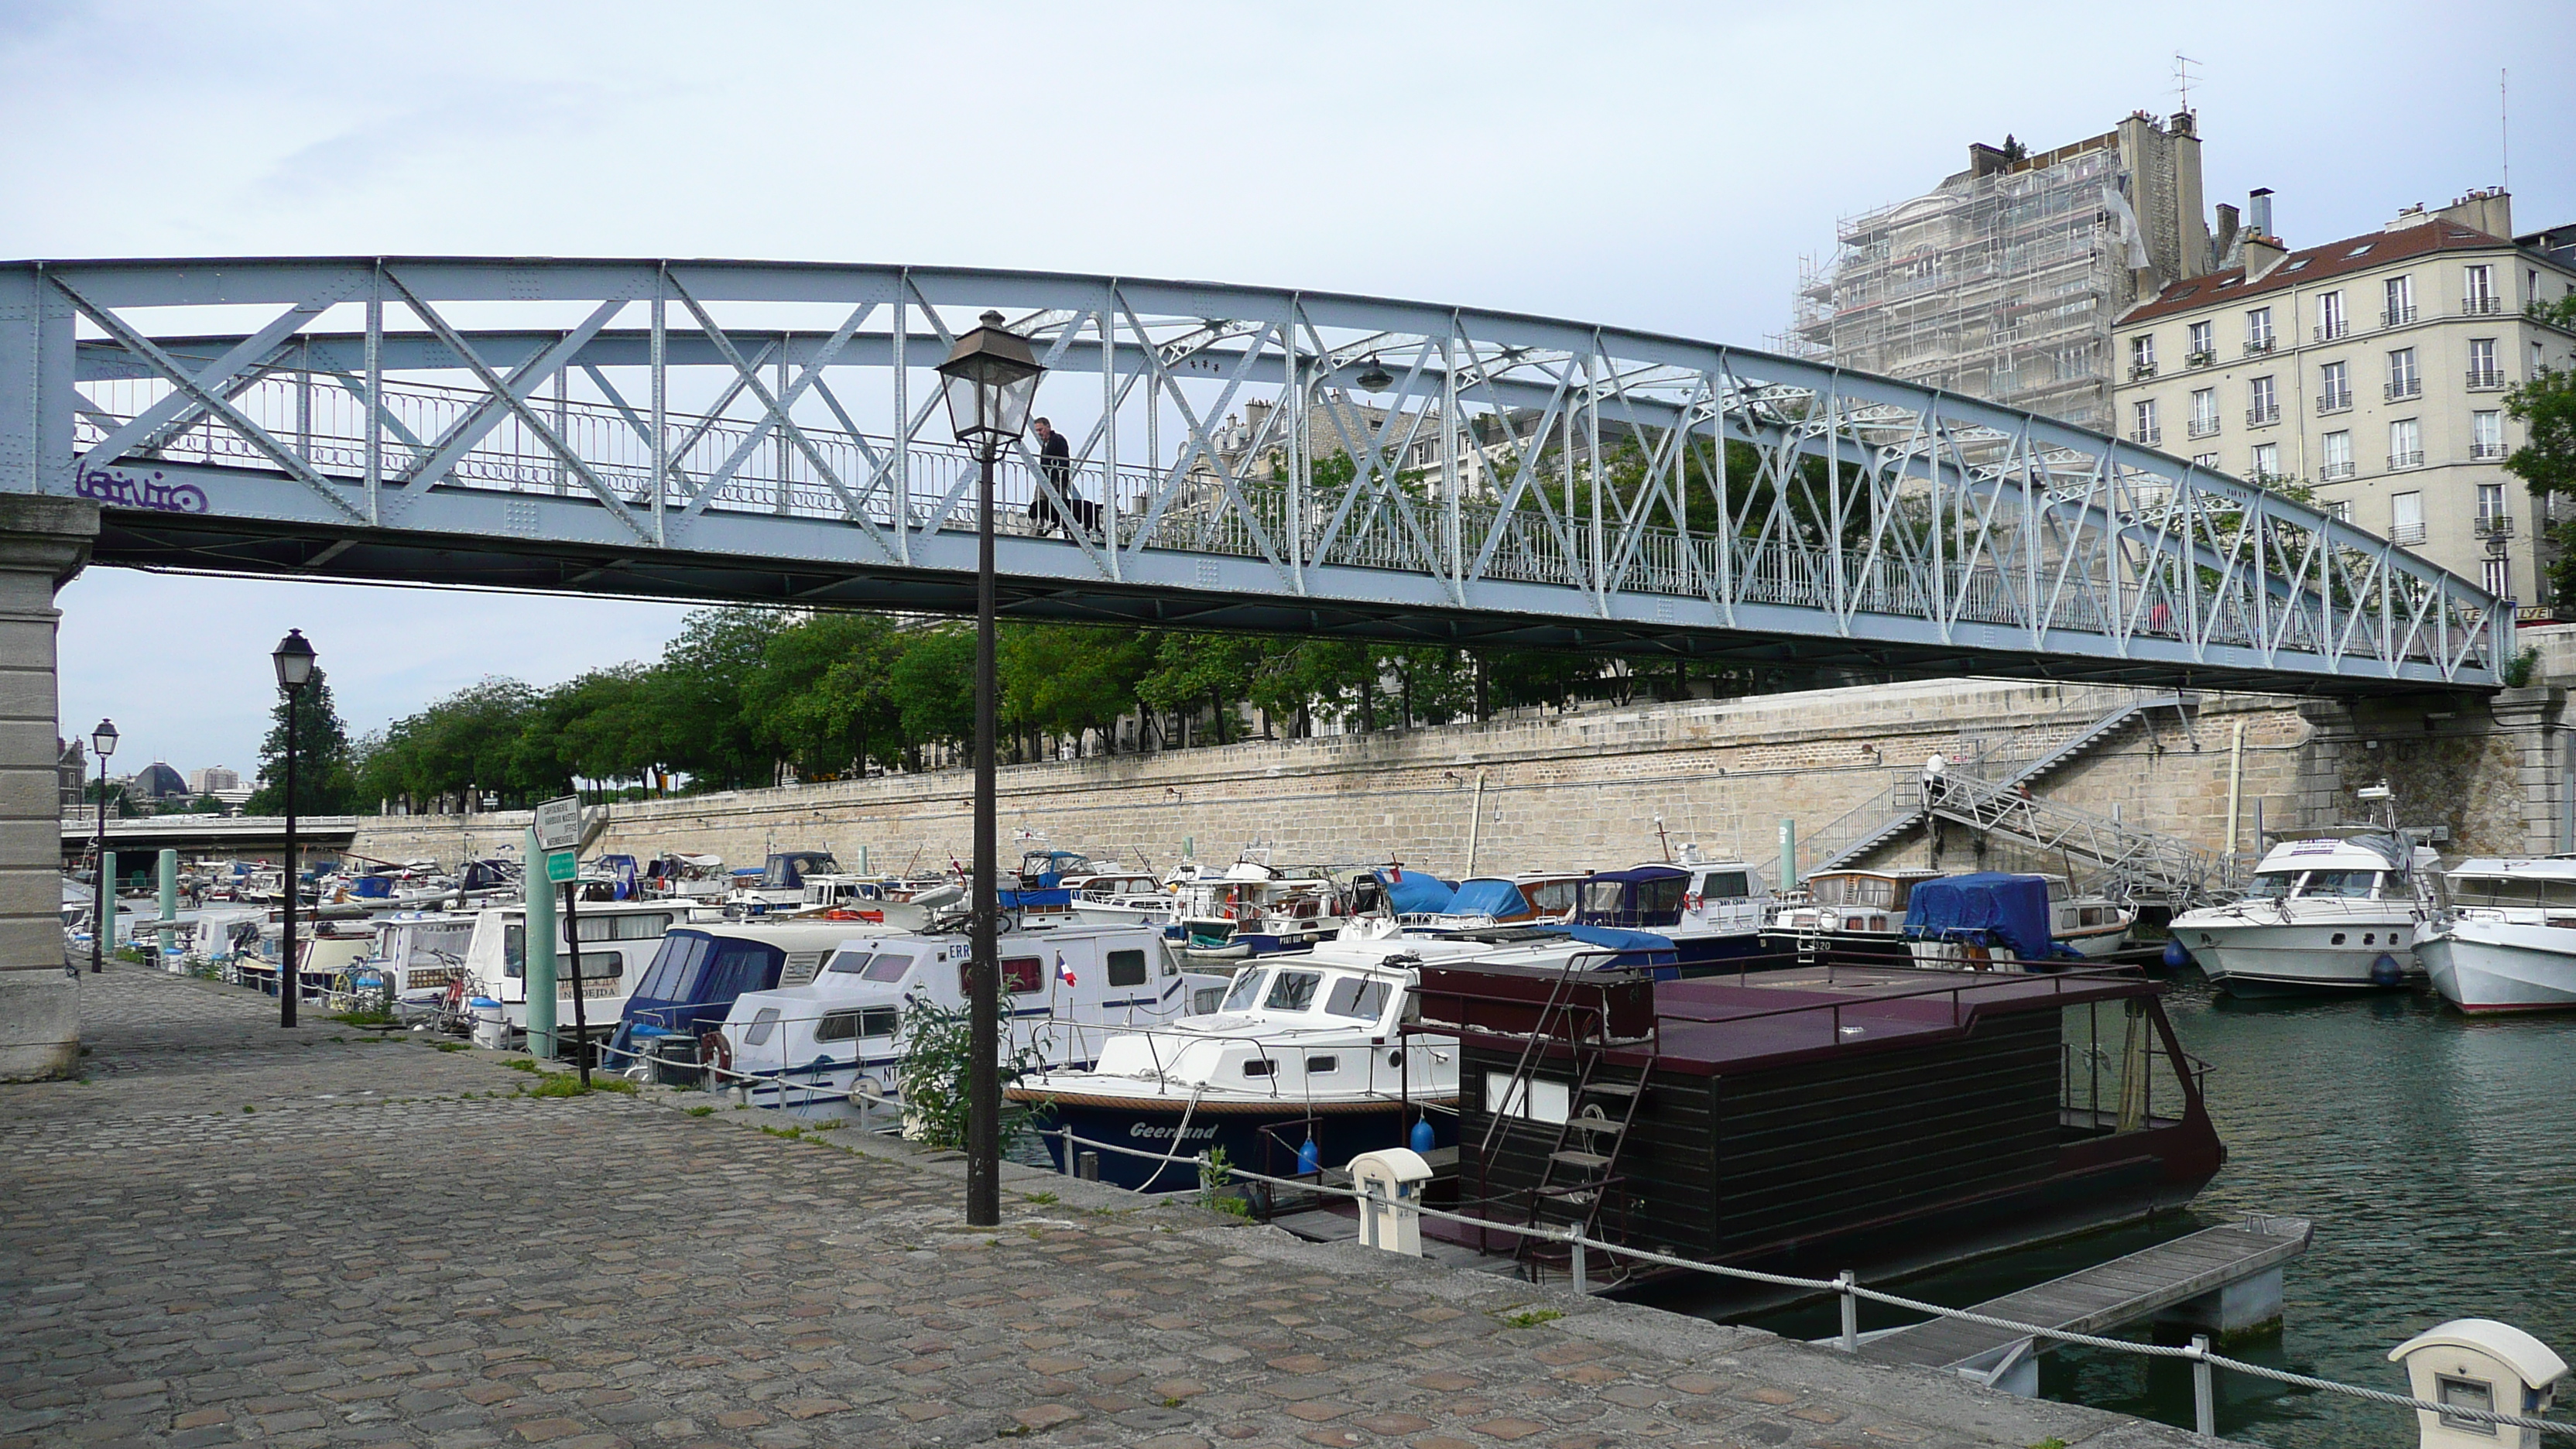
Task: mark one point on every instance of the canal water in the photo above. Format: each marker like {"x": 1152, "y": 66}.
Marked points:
{"x": 2437, "y": 1158}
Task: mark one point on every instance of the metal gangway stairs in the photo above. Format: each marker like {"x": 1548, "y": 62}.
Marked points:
{"x": 2129, "y": 863}
{"x": 1898, "y": 810}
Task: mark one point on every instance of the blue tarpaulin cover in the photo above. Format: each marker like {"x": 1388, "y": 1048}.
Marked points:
{"x": 1615, "y": 937}
{"x": 1061, "y": 896}
{"x": 1486, "y": 896}
{"x": 1416, "y": 893}
{"x": 1986, "y": 908}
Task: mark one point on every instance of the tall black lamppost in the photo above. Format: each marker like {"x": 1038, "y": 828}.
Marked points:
{"x": 294, "y": 660}
{"x": 990, "y": 378}
{"x": 102, "y": 911}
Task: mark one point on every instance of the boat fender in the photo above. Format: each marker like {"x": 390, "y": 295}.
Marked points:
{"x": 714, "y": 1051}
{"x": 2385, "y": 971}
{"x": 1310, "y": 1158}
{"x": 1422, "y": 1138}
{"x": 2177, "y": 955}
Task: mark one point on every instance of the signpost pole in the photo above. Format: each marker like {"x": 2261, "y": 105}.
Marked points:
{"x": 537, "y": 953}
{"x": 580, "y": 1018}
{"x": 553, "y": 842}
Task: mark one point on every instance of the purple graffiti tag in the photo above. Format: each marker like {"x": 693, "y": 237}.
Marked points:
{"x": 99, "y": 485}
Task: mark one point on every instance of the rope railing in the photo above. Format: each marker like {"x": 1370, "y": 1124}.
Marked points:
{"x": 1850, "y": 1291}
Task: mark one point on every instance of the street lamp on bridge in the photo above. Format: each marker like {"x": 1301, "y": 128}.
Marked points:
{"x": 102, "y": 896}
{"x": 990, "y": 377}
{"x": 294, "y": 660}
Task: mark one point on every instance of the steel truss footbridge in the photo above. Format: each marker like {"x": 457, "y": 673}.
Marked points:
{"x": 1241, "y": 458}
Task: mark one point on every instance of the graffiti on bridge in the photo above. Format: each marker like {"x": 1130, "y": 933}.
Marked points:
{"x": 103, "y": 485}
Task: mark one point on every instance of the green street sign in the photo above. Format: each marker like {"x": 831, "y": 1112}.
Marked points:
{"x": 562, "y": 867}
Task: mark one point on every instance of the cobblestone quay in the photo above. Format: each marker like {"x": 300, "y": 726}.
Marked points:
{"x": 231, "y": 1233}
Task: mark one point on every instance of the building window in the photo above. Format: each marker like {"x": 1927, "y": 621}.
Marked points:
{"x": 2142, "y": 423}
{"x": 2142, "y": 356}
{"x": 2486, "y": 436}
{"x": 2264, "y": 403}
{"x": 2485, "y": 373}
{"x": 2335, "y": 452}
{"x": 2199, "y": 349}
{"x": 2403, "y": 380}
{"x": 2499, "y": 576}
{"x": 2334, "y": 387}
{"x": 2258, "y": 330}
{"x": 2406, "y": 518}
{"x": 2400, "y": 302}
{"x": 2341, "y": 508}
{"x": 2477, "y": 290}
{"x": 2205, "y": 460}
{"x": 2267, "y": 462}
{"x": 2330, "y": 319}
{"x": 2405, "y": 444}
{"x": 2204, "y": 412}
{"x": 2490, "y": 502}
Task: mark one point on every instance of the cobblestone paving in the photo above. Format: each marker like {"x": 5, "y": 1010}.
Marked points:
{"x": 232, "y": 1233}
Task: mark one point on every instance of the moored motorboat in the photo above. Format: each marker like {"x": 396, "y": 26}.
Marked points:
{"x": 1997, "y": 921}
{"x": 1848, "y": 913}
{"x": 2335, "y": 913}
{"x": 2505, "y": 936}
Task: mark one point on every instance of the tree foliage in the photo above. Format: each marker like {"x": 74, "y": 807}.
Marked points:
{"x": 2546, "y": 461}
{"x": 324, "y": 783}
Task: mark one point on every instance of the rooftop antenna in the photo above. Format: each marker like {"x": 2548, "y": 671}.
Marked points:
{"x": 2182, "y": 77}
{"x": 2504, "y": 130}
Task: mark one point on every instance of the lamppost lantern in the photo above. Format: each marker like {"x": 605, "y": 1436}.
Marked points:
{"x": 102, "y": 896}
{"x": 990, "y": 379}
{"x": 294, "y": 659}
{"x": 102, "y": 741}
{"x": 1375, "y": 379}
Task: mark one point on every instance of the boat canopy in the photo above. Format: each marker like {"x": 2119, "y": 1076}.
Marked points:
{"x": 1649, "y": 895}
{"x": 1415, "y": 893}
{"x": 787, "y": 869}
{"x": 1614, "y": 937}
{"x": 1985, "y": 908}
{"x": 1488, "y": 896}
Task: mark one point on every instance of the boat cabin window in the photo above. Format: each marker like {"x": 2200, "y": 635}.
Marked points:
{"x": 673, "y": 976}
{"x": 2347, "y": 884}
{"x": 1322, "y": 1066}
{"x": 625, "y": 926}
{"x": 1247, "y": 990}
{"x": 1608, "y": 897}
{"x": 1730, "y": 885}
{"x": 849, "y": 963}
{"x": 1552, "y": 898}
{"x": 1293, "y": 991}
{"x": 595, "y": 966}
{"x": 1358, "y": 997}
{"x": 763, "y": 1022}
{"x": 1853, "y": 890}
{"x": 2272, "y": 885}
{"x": 1126, "y": 968}
{"x": 1660, "y": 899}
{"x": 1023, "y": 975}
{"x": 2503, "y": 891}
{"x": 1205, "y": 1000}
{"x": 1259, "y": 1067}
{"x": 887, "y": 967}
{"x": 872, "y": 1021}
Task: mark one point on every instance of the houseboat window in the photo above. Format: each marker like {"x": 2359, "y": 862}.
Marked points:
{"x": 1534, "y": 1100}
{"x": 1247, "y": 990}
{"x": 2272, "y": 885}
{"x": 887, "y": 968}
{"x": 849, "y": 963}
{"x": 1552, "y": 898}
{"x": 1726, "y": 886}
{"x": 1126, "y": 968}
{"x": 674, "y": 972}
{"x": 1294, "y": 991}
{"x": 1357, "y": 997}
{"x": 850, "y": 1025}
{"x": 1259, "y": 1067}
{"x": 1023, "y": 975}
{"x": 1320, "y": 1066}
{"x": 2348, "y": 884}
{"x": 763, "y": 1022}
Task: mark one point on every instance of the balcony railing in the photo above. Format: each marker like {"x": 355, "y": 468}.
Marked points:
{"x": 2262, "y": 415}
{"x": 2335, "y": 402}
{"x": 2494, "y": 525}
{"x": 2141, "y": 371}
{"x": 2255, "y": 345}
{"x": 2203, "y": 358}
{"x": 2404, "y": 388}
{"x": 2486, "y": 452}
{"x": 2152, "y": 437}
{"x": 2203, "y": 427}
{"x": 2396, "y": 316}
{"x": 2334, "y": 472}
{"x": 2481, "y": 306}
{"x": 2328, "y": 331}
{"x": 2398, "y": 462}
{"x": 2406, "y": 533}
{"x": 2486, "y": 379}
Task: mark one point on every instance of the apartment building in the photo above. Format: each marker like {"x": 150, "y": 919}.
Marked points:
{"x": 2372, "y": 371}
{"x": 2001, "y": 283}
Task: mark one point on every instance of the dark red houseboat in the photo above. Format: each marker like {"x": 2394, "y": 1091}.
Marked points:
{"x": 1817, "y": 1119}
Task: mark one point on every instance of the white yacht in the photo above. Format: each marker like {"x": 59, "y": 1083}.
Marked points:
{"x": 2332, "y": 914}
{"x": 2505, "y": 939}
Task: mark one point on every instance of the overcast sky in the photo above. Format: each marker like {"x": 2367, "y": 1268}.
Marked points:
{"x": 1652, "y": 166}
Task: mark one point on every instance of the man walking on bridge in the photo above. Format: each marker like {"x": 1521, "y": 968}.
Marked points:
{"x": 1055, "y": 466}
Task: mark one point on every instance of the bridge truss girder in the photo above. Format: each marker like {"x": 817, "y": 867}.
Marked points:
{"x": 769, "y": 433}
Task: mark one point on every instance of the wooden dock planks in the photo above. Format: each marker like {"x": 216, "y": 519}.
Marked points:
{"x": 2102, "y": 1298}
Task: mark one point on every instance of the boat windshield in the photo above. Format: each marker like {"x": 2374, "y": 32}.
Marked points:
{"x": 2345, "y": 884}
{"x": 1293, "y": 991}
{"x": 1358, "y": 997}
{"x": 2272, "y": 885}
{"x": 2509, "y": 891}
{"x": 1247, "y": 990}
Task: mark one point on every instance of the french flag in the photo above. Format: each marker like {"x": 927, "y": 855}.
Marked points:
{"x": 1063, "y": 972}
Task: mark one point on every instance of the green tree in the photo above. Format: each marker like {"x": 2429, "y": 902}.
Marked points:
{"x": 1194, "y": 669}
{"x": 324, "y": 783}
{"x": 2546, "y": 461}
{"x": 823, "y": 698}
{"x": 1069, "y": 679}
{"x": 933, "y": 685}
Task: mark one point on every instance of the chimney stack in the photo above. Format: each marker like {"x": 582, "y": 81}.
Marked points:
{"x": 2258, "y": 211}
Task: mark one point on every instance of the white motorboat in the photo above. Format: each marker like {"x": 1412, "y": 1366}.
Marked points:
{"x": 1997, "y": 921}
{"x": 1254, "y": 908}
{"x": 1859, "y": 912}
{"x": 2329, "y": 914}
{"x": 2505, "y": 939}
{"x": 831, "y": 1045}
{"x": 618, "y": 939}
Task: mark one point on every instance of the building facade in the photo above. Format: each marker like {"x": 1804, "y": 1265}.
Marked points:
{"x": 2002, "y": 282}
{"x": 213, "y": 780}
{"x": 2370, "y": 371}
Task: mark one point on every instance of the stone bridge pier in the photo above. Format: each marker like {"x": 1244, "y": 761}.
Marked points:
{"x": 43, "y": 544}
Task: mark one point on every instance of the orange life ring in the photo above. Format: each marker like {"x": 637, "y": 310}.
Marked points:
{"x": 1691, "y": 902}
{"x": 714, "y": 1051}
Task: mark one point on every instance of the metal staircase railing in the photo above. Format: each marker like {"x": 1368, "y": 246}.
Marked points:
{"x": 2133, "y": 863}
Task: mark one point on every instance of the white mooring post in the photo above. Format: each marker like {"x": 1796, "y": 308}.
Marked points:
{"x": 2204, "y": 1397}
{"x": 1844, "y": 1283}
